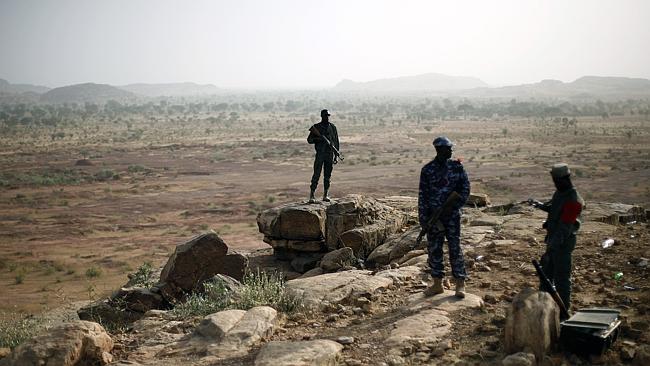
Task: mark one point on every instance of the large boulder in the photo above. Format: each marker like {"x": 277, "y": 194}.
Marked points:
{"x": 75, "y": 343}
{"x": 533, "y": 322}
{"x": 196, "y": 261}
{"x": 395, "y": 247}
{"x": 319, "y": 352}
{"x": 293, "y": 221}
{"x": 354, "y": 211}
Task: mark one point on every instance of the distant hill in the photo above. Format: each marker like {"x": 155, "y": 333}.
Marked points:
{"x": 7, "y": 87}
{"x": 171, "y": 89}
{"x": 88, "y": 92}
{"x": 584, "y": 87}
{"x": 424, "y": 82}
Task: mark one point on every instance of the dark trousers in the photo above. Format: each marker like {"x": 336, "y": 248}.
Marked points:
{"x": 556, "y": 263}
{"x": 436, "y": 240}
{"x": 322, "y": 162}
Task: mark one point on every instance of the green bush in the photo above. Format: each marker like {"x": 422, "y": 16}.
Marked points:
{"x": 105, "y": 174}
{"x": 257, "y": 289}
{"x": 143, "y": 276}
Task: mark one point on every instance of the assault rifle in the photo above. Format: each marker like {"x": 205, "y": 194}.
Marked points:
{"x": 548, "y": 287}
{"x": 434, "y": 219}
{"x": 337, "y": 154}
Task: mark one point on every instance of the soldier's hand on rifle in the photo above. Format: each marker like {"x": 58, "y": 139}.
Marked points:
{"x": 534, "y": 203}
{"x": 336, "y": 159}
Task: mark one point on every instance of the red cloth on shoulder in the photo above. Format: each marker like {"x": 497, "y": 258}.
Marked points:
{"x": 570, "y": 212}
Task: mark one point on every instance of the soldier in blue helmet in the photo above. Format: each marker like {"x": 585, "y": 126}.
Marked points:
{"x": 438, "y": 179}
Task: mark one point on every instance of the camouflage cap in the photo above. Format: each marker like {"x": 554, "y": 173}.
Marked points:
{"x": 560, "y": 170}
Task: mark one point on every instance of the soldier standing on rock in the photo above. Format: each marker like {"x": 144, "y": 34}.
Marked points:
{"x": 325, "y": 158}
{"x": 562, "y": 224}
{"x": 438, "y": 179}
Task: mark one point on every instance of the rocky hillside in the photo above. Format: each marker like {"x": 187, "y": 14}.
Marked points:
{"x": 88, "y": 92}
{"x": 353, "y": 294}
{"x": 7, "y": 87}
{"x": 171, "y": 89}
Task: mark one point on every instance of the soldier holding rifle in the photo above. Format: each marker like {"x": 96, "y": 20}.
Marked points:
{"x": 444, "y": 189}
{"x": 562, "y": 223}
{"x": 326, "y": 142}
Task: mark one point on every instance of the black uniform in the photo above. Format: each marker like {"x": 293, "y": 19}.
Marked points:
{"x": 324, "y": 154}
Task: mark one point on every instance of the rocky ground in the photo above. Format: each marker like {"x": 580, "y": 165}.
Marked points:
{"x": 378, "y": 315}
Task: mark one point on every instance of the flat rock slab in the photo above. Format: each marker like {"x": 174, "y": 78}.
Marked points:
{"x": 489, "y": 220}
{"x": 305, "y": 353}
{"x": 336, "y": 288}
{"x": 401, "y": 274}
{"x": 521, "y": 227}
{"x": 474, "y": 235}
{"x": 427, "y": 327}
{"x": 446, "y": 301}
{"x": 228, "y": 333}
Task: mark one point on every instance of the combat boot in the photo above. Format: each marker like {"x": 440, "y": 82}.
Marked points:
{"x": 460, "y": 288}
{"x": 326, "y": 197}
{"x": 312, "y": 199}
{"x": 434, "y": 289}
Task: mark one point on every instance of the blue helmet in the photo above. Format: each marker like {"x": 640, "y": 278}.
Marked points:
{"x": 442, "y": 141}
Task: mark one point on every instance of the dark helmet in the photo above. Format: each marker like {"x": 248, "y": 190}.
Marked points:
{"x": 324, "y": 112}
{"x": 442, "y": 141}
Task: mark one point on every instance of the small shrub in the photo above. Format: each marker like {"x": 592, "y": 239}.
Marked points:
{"x": 20, "y": 277}
{"x": 105, "y": 174}
{"x": 93, "y": 272}
{"x": 143, "y": 276}
{"x": 15, "y": 331}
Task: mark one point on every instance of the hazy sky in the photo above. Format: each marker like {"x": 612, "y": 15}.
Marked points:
{"x": 304, "y": 43}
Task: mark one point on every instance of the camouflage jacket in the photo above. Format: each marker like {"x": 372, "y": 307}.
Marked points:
{"x": 437, "y": 181}
{"x": 328, "y": 130}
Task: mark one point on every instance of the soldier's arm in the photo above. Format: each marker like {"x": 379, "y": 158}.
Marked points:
{"x": 424, "y": 197}
{"x": 335, "y": 138}
{"x": 567, "y": 223}
{"x": 312, "y": 138}
{"x": 464, "y": 187}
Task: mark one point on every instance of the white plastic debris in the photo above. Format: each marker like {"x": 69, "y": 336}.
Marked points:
{"x": 607, "y": 243}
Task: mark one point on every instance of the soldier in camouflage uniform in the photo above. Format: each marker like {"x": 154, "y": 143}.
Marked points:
{"x": 562, "y": 224}
{"x": 438, "y": 179}
{"x": 325, "y": 158}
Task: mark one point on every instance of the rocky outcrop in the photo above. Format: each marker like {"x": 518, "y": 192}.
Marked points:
{"x": 299, "y": 230}
{"x": 533, "y": 322}
{"x": 320, "y": 352}
{"x": 355, "y": 211}
{"x": 74, "y": 343}
{"x": 137, "y": 299}
{"x": 196, "y": 261}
